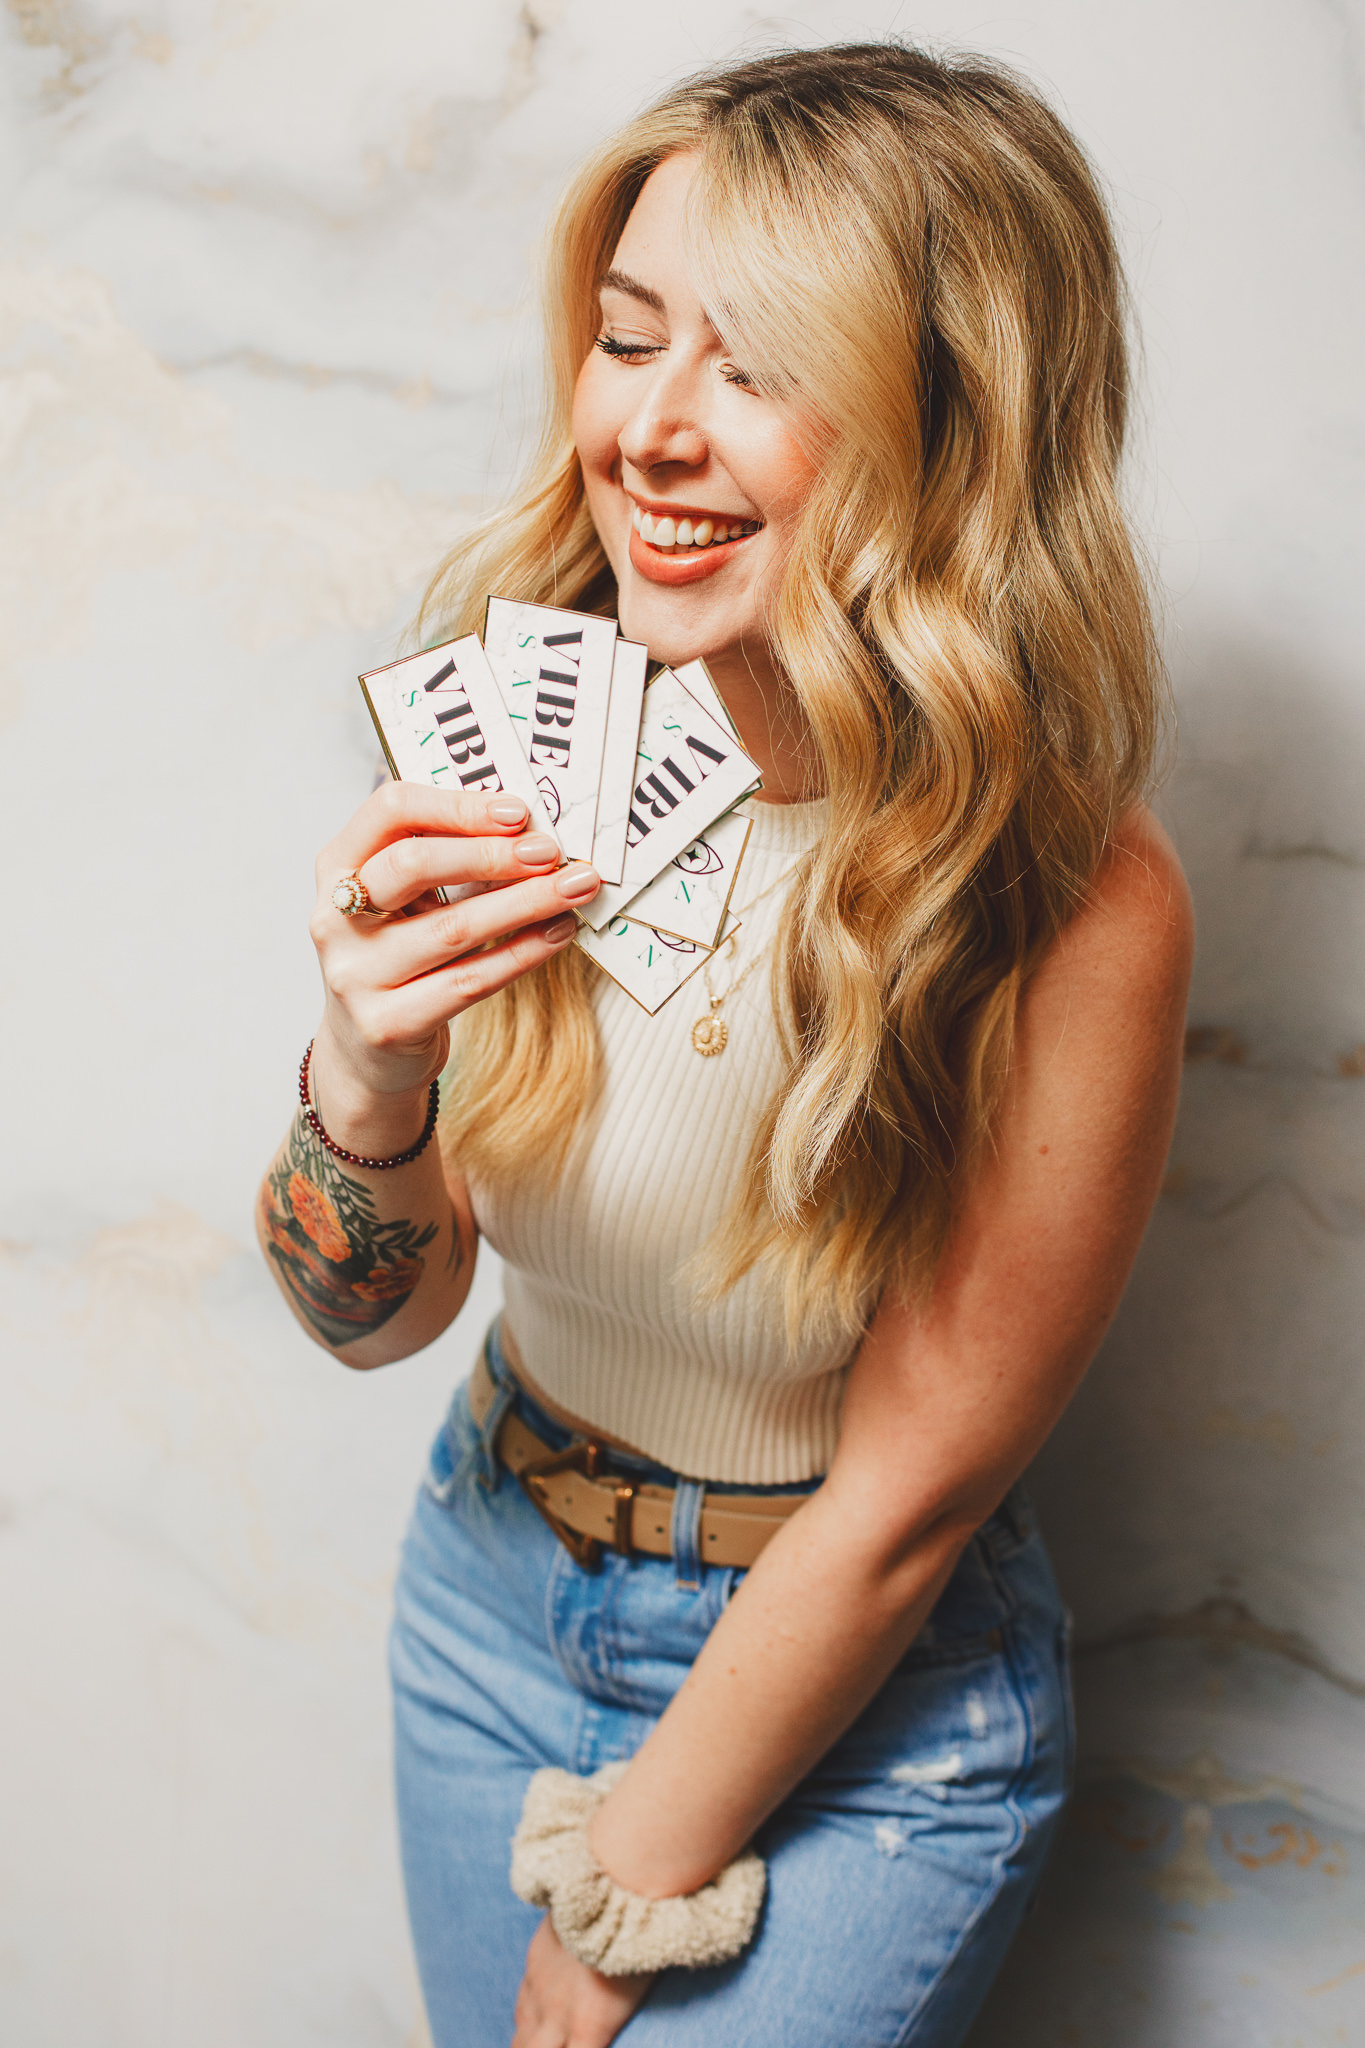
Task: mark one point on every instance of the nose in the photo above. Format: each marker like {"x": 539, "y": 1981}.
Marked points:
{"x": 667, "y": 425}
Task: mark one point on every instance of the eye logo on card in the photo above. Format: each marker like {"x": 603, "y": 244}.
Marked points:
{"x": 689, "y": 770}
{"x": 552, "y": 706}
{"x": 699, "y": 858}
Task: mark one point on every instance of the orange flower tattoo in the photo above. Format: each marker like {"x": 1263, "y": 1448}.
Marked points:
{"x": 318, "y": 1217}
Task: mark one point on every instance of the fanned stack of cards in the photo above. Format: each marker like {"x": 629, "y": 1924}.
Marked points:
{"x": 553, "y": 707}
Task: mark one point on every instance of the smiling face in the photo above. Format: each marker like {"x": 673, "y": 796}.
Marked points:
{"x": 693, "y": 478}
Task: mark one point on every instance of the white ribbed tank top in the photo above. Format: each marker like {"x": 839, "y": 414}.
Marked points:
{"x": 602, "y": 1318}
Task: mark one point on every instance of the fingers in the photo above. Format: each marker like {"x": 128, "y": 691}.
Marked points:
{"x": 411, "y": 868}
{"x": 421, "y": 1006}
{"x": 562, "y": 2003}
{"x": 390, "y": 955}
{"x": 402, "y": 810}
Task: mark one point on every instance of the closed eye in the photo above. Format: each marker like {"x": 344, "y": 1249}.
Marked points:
{"x": 627, "y": 351}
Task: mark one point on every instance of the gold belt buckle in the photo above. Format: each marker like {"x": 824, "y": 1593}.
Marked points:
{"x": 584, "y": 1457}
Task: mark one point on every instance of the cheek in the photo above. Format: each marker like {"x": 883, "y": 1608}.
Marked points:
{"x": 594, "y": 427}
{"x": 789, "y": 474}
{"x": 771, "y": 466}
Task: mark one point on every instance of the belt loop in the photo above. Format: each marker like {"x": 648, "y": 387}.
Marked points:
{"x": 685, "y": 1533}
{"x": 503, "y": 1397}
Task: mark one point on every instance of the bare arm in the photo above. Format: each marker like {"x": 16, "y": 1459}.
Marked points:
{"x": 376, "y": 1264}
{"x": 945, "y": 1405}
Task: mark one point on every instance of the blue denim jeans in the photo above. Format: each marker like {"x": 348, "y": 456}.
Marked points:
{"x": 897, "y": 1871}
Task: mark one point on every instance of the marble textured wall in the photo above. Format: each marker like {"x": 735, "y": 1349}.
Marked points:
{"x": 265, "y": 338}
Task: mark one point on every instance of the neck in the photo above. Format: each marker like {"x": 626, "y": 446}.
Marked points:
{"x": 771, "y": 725}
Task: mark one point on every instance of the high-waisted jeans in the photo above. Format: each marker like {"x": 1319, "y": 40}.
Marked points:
{"x": 897, "y": 1871}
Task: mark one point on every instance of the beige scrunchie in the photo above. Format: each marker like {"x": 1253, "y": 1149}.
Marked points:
{"x": 599, "y": 1921}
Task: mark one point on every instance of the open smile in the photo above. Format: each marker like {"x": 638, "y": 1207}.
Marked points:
{"x": 685, "y": 547}
{"x": 670, "y": 535}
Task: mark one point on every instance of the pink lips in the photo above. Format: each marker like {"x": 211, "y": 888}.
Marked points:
{"x": 671, "y": 546}
{"x": 688, "y": 565}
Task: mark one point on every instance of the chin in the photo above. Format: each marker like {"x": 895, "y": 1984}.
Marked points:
{"x": 664, "y": 626}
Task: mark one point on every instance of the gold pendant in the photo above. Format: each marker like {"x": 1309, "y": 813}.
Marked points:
{"x": 709, "y": 1035}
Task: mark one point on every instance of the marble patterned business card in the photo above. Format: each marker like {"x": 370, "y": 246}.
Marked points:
{"x": 554, "y": 669}
{"x": 689, "y": 770}
{"x": 441, "y": 719}
{"x": 618, "y": 758}
{"x": 691, "y": 897}
{"x": 650, "y": 966}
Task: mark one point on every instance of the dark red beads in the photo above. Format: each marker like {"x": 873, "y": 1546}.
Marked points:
{"x": 314, "y": 1122}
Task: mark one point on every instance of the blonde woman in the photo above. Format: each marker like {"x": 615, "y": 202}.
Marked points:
{"x": 762, "y": 1660}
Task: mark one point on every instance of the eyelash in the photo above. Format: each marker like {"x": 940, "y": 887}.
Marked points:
{"x": 625, "y": 351}
{"x": 636, "y": 351}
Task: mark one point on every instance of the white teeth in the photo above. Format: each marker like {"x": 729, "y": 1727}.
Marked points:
{"x": 667, "y": 533}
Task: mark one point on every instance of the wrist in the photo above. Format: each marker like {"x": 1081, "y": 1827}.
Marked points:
{"x": 635, "y": 1865}
{"x": 358, "y": 1116}
{"x": 611, "y": 1928}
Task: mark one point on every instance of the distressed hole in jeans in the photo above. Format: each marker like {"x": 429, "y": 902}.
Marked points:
{"x": 941, "y": 1771}
{"x": 892, "y": 1837}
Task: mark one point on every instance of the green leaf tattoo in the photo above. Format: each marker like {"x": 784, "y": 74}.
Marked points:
{"x": 347, "y": 1270}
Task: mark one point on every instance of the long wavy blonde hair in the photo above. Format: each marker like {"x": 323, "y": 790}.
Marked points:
{"x": 913, "y": 252}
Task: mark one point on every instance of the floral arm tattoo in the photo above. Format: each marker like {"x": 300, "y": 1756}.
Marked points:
{"x": 348, "y": 1270}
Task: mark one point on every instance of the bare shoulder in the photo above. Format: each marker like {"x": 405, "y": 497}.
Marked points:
{"x": 1114, "y": 982}
{"x": 1136, "y": 924}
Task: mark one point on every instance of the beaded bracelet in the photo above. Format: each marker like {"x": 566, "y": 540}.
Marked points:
{"x": 314, "y": 1122}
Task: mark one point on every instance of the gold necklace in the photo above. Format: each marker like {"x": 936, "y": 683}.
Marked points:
{"x": 711, "y": 1035}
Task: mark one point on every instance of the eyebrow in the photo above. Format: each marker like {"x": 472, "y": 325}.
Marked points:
{"x": 622, "y": 281}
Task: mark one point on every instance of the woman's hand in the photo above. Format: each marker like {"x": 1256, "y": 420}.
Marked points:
{"x": 564, "y": 2004}
{"x": 394, "y": 983}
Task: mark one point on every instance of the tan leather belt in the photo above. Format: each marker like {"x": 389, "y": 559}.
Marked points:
{"x": 591, "y": 1509}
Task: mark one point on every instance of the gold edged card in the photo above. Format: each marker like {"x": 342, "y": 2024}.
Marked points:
{"x": 691, "y": 898}
{"x": 554, "y": 670}
{"x": 649, "y": 966}
{"x": 441, "y": 719}
{"x": 689, "y": 770}
{"x": 618, "y": 759}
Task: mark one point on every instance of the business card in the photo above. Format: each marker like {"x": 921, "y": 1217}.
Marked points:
{"x": 689, "y": 770}
{"x": 618, "y": 758}
{"x": 650, "y": 966}
{"x": 691, "y": 897}
{"x": 554, "y": 669}
{"x": 441, "y": 719}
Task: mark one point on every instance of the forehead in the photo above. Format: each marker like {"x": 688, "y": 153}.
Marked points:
{"x": 652, "y": 238}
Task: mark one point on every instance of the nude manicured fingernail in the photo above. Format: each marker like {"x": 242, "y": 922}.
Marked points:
{"x": 578, "y": 880}
{"x": 507, "y": 810}
{"x": 535, "y": 849}
{"x": 562, "y": 928}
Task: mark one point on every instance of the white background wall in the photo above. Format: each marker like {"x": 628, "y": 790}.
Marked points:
{"x": 264, "y": 340}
